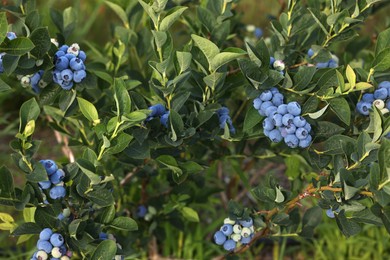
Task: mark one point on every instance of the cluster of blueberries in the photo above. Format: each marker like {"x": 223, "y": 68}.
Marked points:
{"x": 159, "y": 111}
{"x": 233, "y": 233}
{"x": 283, "y": 121}
{"x": 69, "y": 66}
{"x": 380, "y": 98}
{"x": 145, "y": 212}
{"x": 51, "y": 246}
{"x": 34, "y": 80}
{"x": 277, "y": 65}
{"x": 332, "y": 63}
{"x": 10, "y": 36}
{"x": 55, "y": 183}
{"x": 224, "y": 118}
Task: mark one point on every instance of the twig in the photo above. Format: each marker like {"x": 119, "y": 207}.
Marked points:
{"x": 129, "y": 176}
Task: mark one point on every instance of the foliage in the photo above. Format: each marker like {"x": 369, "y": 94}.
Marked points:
{"x": 147, "y": 131}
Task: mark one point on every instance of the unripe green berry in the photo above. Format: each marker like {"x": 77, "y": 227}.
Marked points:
{"x": 236, "y": 237}
{"x": 237, "y": 229}
{"x": 246, "y": 232}
{"x": 379, "y": 103}
{"x": 229, "y": 221}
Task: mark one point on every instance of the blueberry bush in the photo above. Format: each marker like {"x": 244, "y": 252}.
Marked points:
{"x": 166, "y": 123}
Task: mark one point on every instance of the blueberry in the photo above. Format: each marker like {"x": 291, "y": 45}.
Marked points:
{"x": 277, "y": 120}
{"x": 381, "y": 93}
{"x": 305, "y": 142}
{"x": 70, "y": 56}
{"x": 299, "y": 121}
{"x": 333, "y": 64}
{"x": 59, "y": 54}
{"x": 246, "y": 223}
{"x": 141, "y": 211}
{"x": 330, "y": 213}
{"x": 44, "y": 245}
{"x": 157, "y": 110}
{"x": 57, "y": 177}
{"x": 45, "y": 184}
{"x": 388, "y": 104}
{"x": 310, "y": 53}
{"x": 264, "y": 106}
{"x": 266, "y": 132}
{"x": 257, "y": 103}
{"x": 229, "y": 245}
{"x": 290, "y": 129}
{"x": 291, "y": 140}
{"x": 283, "y": 131}
{"x": 62, "y": 63}
{"x": 67, "y": 75}
{"x": 45, "y": 234}
{"x": 282, "y": 109}
{"x": 287, "y": 119}
{"x": 11, "y": 35}
{"x": 219, "y": 238}
{"x": 35, "y": 79}
{"x": 227, "y": 229}
{"x": 277, "y": 99}
{"x": 271, "y": 61}
{"x": 270, "y": 111}
{"x": 268, "y": 124}
{"x": 266, "y": 95}
{"x": 57, "y": 239}
{"x": 223, "y": 119}
{"x": 50, "y": 166}
{"x": 64, "y": 48}
{"x": 60, "y": 216}
{"x": 57, "y": 76}
{"x": 363, "y": 108}
{"x": 79, "y": 75}
{"x": 368, "y": 97}
{"x": 307, "y": 126}
{"x": 258, "y": 32}
{"x": 103, "y": 236}
{"x": 223, "y": 111}
{"x": 384, "y": 84}
{"x": 66, "y": 85}
{"x": 294, "y": 108}
{"x": 322, "y": 65}
{"x": 76, "y": 64}
{"x": 301, "y": 133}
{"x": 274, "y": 90}
{"x": 246, "y": 240}
{"x": 82, "y": 55}
{"x": 57, "y": 192}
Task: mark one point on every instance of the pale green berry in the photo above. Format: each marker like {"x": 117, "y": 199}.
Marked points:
{"x": 54, "y": 41}
{"x": 66, "y": 212}
{"x": 250, "y": 28}
{"x": 279, "y": 65}
{"x": 64, "y": 257}
{"x": 39, "y": 62}
{"x": 384, "y": 111}
{"x": 236, "y": 237}
{"x": 379, "y": 103}
{"x": 252, "y": 229}
{"x": 56, "y": 252}
{"x": 42, "y": 255}
{"x": 25, "y": 81}
{"x": 229, "y": 221}
{"x": 237, "y": 229}
{"x": 74, "y": 49}
{"x": 246, "y": 232}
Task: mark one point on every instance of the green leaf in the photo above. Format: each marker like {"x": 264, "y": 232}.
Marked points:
{"x": 341, "y": 108}
{"x": 41, "y": 39}
{"x": 4, "y": 86}
{"x": 107, "y": 215}
{"x": 171, "y": 17}
{"x": 348, "y": 227}
{"x": 28, "y": 111}
{"x": 119, "y": 143}
{"x": 383, "y": 41}
{"x": 88, "y": 110}
{"x": 190, "y": 214}
{"x": 124, "y": 223}
{"x": 3, "y": 26}
{"x": 351, "y": 76}
{"x": 10, "y": 63}
{"x": 18, "y": 46}
{"x": 209, "y": 49}
{"x": 252, "y": 118}
{"x": 319, "y": 113}
{"x": 6, "y": 183}
{"x": 184, "y": 60}
{"x": 122, "y": 97}
{"x": 46, "y": 217}
{"x": 27, "y": 228}
{"x": 38, "y": 174}
{"x": 149, "y": 10}
{"x": 303, "y": 77}
{"x": 311, "y": 219}
{"x": 279, "y": 195}
{"x": 88, "y": 169}
{"x": 119, "y": 11}
{"x": 101, "y": 197}
{"x": 105, "y": 250}
{"x": 190, "y": 167}
{"x": 382, "y": 61}
{"x": 317, "y": 20}
{"x": 327, "y": 129}
{"x": 223, "y": 58}
{"x": 375, "y": 125}
{"x": 177, "y": 125}
{"x": 171, "y": 163}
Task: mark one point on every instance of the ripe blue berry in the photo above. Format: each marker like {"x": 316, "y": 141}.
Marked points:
{"x": 275, "y": 136}
{"x": 305, "y": 142}
{"x": 58, "y": 54}
{"x": 330, "y": 213}
{"x": 266, "y": 95}
{"x": 299, "y": 121}
{"x": 67, "y": 75}
{"x": 283, "y": 131}
{"x": 294, "y": 108}
{"x": 79, "y": 75}
{"x": 61, "y": 63}
{"x": 291, "y": 140}
{"x": 70, "y": 56}
{"x": 50, "y": 166}
{"x": 287, "y": 119}
{"x": 384, "y": 84}
{"x": 157, "y": 110}
{"x": 57, "y": 177}
{"x": 388, "y": 104}
{"x": 301, "y": 133}
{"x": 307, "y": 126}
{"x": 381, "y": 93}
{"x": 229, "y": 245}
{"x": 227, "y": 229}
{"x": 66, "y": 85}
{"x": 290, "y": 129}
{"x": 310, "y": 52}
{"x": 141, "y": 211}
{"x": 274, "y": 90}
{"x": 270, "y": 111}
{"x": 282, "y": 109}
{"x": 76, "y": 64}
{"x": 57, "y": 192}
{"x": 64, "y": 48}
{"x": 103, "y": 236}
{"x": 271, "y": 61}
{"x": 264, "y": 106}
{"x": 246, "y": 240}
{"x": 44, "y": 245}
{"x": 277, "y": 99}
{"x": 82, "y": 55}
{"x": 45, "y": 184}
{"x": 322, "y": 65}
{"x": 257, "y": 103}
{"x": 368, "y": 97}
{"x": 277, "y": 120}
{"x": 223, "y": 111}
{"x": 11, "y": 35}
{"x": 333, "y": 64}
{"x": 57, "y": 239}
{"x": 268, "y": 124}
{"x": 45, "y": 234}
{"x": 363, "y": 108}
{"x": 246, "y": 223}
{"x": 258, "y": 32}
{"x": 219, "y": 238}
